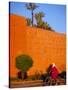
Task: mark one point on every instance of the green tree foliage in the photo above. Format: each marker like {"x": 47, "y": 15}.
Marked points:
{"x": 28, "y": 21}
{"x": 41, "y": 23}
{"x": 38, "y": 17}
{"x": 32, "y": 7}
{"x": 23, "y": 63}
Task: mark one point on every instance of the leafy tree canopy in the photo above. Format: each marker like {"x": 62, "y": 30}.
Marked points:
{"x": 24, "y": 62}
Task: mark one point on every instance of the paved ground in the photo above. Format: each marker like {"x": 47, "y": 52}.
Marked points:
{"x": 19, "y": 84}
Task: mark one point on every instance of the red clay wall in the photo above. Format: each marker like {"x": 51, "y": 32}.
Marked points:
{"x": 45, "y": 47}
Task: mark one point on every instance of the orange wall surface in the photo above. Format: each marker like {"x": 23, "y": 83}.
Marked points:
{"x": 45, "y": 47}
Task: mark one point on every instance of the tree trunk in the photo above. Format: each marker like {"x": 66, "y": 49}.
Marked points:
{"x": 32, "y": 17}
{"x": 19, "y": 75}
{"x": 24, "y": 75}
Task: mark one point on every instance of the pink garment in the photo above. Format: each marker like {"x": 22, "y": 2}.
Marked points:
{"x": 54, "y": 72}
